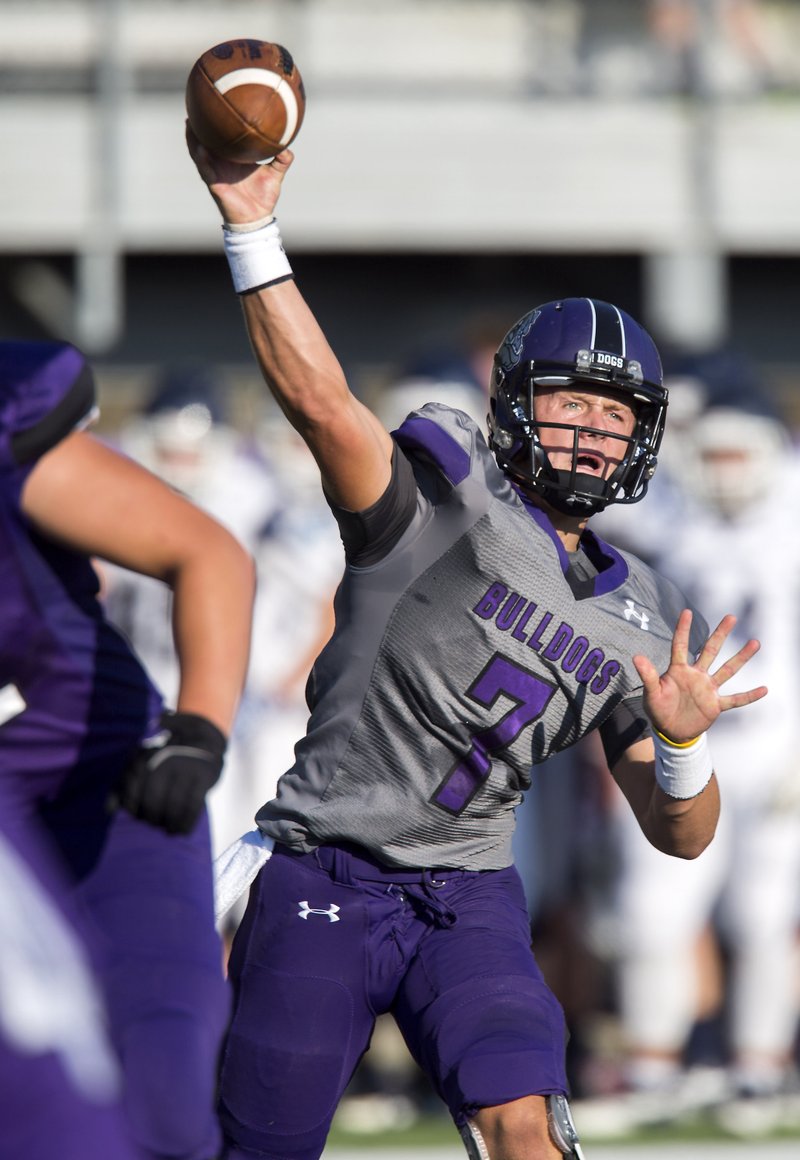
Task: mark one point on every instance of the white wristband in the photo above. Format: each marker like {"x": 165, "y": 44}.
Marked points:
{"x": 256, "y": 256}
{"x": 683, "y": 771}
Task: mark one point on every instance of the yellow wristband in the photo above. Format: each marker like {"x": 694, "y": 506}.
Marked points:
{"x": 677, "y": 744}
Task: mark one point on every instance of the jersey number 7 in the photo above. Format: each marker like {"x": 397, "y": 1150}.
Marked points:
{"x": 530, "y": 694}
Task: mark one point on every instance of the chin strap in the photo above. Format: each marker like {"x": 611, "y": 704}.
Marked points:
{"x": 559, "y": 1122}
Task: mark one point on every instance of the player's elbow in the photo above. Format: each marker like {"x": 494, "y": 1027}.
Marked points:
{"x": 686, "y": 829}
{"x": 692, "y": 848}
{"x": 210, "y": 554}
{"x": 232, "y": 555}
{"x": 684, "y": 838}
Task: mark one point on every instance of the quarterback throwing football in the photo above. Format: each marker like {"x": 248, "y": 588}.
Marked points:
{"x": 480, "y": 627}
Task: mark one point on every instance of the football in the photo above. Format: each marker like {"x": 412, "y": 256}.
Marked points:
{"x": 245, "y": 100}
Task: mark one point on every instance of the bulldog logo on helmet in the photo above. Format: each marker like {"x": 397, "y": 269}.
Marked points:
{"x": 510, "y": 351}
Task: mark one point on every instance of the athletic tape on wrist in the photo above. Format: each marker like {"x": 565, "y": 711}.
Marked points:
{"x": 683, "y": 771}
{"x": 248, "y": 227}
{"x": 256, "y": 256}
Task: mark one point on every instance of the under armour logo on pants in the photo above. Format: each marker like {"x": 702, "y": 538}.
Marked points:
{"x": 332, "y": 912}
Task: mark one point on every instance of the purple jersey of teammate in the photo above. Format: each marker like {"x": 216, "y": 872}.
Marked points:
{"x": 75, "y": 705}
{"x": 86, "y": 698}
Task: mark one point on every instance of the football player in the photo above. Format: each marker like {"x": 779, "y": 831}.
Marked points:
{"x": 480, "y": 627}
{"x": 183, "y": 435}
{"x": 88, "y": 750}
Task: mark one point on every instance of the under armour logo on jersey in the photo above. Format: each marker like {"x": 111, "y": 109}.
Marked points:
{"x": 332, "y": 912}
{"x": 632, "y": 613}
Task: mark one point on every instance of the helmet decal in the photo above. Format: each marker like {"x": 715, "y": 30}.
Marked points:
{"x": 510, "y": 351}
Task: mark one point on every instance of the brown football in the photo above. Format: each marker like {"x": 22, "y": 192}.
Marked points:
{"x": 245, "y": 99}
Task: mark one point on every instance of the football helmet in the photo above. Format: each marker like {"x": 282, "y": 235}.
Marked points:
{"x": 576, "y": 340}
{"x": 734, "y": 456}
{"x": 182, "y": 434}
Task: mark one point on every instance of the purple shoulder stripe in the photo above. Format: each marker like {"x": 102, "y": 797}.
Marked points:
{"x": 419, "y": 434}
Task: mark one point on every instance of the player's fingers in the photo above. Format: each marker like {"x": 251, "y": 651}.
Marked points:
{"x": 648, "y": 673}
{"x": 716, "y": 640}
{"x": 738, "y": 700}
{"x": 281, "y": 161}
{"x": 733, "y": 665}
{"x": 198, "y": 153}
{"x": 679, "y": 654}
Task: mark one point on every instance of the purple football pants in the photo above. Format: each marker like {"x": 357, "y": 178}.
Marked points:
{"x": 145, "y": 901}
{"x": 150, "y": 899}
{"x": 59, "y": 1084}
{"x": 332, "y": 939}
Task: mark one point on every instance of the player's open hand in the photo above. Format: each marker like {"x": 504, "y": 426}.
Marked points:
{"x": 685, "y": 700}
{"x": 243, "y": 193}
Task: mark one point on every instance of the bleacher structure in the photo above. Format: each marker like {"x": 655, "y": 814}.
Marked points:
{"x": 482, "y": 126}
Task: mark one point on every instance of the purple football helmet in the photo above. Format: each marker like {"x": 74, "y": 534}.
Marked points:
{"x": 576, "y": 340}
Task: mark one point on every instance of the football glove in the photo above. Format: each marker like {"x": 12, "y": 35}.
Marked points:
{"x": 167, "y": 781}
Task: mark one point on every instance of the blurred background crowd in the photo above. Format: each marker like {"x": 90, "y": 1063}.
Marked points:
{"x": 462, "y": 160}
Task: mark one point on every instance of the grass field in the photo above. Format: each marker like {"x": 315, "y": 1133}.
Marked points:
{"x": 435, "y": 1137}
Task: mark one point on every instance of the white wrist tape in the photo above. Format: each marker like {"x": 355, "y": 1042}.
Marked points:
{"x": 255, "y": 255}
{"x": 683, "y": 771}
{"x": 248, "y": 227}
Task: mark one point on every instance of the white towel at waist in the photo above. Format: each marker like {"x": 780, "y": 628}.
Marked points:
{"x": 236, "y": 867}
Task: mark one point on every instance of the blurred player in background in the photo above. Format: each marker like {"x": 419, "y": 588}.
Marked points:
{"x": 391, "y": 885}
{"x": 299, "y": 563}
{"x": 267, "y": 493}
{"x": 728, "y": 549}
{"x": 89, "y": 752}
{"x": 718, "y": 43}
{"x": 184, "y": 435}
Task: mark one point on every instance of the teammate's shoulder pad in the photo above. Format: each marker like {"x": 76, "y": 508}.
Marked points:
{"x": 47, "y": 390}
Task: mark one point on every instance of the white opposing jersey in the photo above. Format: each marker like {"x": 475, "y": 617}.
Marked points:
{"x": 749, "y": 566}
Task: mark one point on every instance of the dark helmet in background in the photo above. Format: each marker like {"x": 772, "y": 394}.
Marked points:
{"x": 183, "y": 433}
{"x": 574, "y": 341}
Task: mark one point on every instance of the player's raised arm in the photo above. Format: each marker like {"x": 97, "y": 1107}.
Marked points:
{"x": 352, "y": 448}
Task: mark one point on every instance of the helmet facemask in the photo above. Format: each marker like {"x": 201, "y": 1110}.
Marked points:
{"x": 585, "y": 344}
{"x": 517, "y": 440}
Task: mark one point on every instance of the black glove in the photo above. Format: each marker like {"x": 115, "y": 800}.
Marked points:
{"x": 167, "y": 781}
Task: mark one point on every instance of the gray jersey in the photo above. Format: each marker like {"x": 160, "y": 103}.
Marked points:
{"x": 460, "y": 660}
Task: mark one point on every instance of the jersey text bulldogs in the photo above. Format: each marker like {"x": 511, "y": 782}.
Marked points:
{"x": 515, "y": 613}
